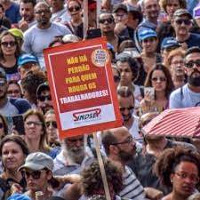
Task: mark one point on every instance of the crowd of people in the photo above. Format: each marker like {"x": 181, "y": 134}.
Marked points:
{"x": 154, "y": 49}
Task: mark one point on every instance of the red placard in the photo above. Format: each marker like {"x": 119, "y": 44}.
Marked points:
{"x": 82, "y": 87}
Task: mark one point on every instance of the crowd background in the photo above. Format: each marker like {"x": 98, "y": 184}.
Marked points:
{"x": 154, "y": 48}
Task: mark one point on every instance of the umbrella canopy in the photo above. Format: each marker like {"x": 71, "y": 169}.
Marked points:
{"x": 184, "y": 122}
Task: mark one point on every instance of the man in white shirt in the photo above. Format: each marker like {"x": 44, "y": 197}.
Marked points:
{"x": 39, "y": 36}
{"x": 189, "y": 94}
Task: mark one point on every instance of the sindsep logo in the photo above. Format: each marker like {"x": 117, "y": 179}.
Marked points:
{"x": 88, "y": 115}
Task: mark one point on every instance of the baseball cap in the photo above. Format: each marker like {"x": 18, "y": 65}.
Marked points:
{"x": 181, "y": 12}
{"x": 120, "y": 6}
{"x": 38, "y": 161}
{"x": 169, "y": 42}
{"x": 147, "y": 33}
{"x": 26, "y": 58}
{"x": 19, "y": 197}
{"x": 135, "y": 12}
{"x": 17, "y": 33}
{"x": 2, "y": 73}
{"x": 196, "y": 12}
{"x": 42, "y": 87}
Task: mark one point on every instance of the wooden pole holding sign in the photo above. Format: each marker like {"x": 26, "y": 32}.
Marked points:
{"x": 101, "y": 166}
{"x": 85, "y": 18}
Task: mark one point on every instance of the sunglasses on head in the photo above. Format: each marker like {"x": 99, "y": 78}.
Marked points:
{"x": 185, "y": 21}
{"x": 34, "y": 174}
{"x": 191, "y": 63}
{"x": 75, "y": 8}
{"x": 108, "y": 20}
{"x": 6, "y": 44}
{"x": 51, "y": 123}
{"x": 43, "y": 98}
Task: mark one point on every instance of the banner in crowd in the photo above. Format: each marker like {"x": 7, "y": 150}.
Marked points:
{"x": 82, "y": 87}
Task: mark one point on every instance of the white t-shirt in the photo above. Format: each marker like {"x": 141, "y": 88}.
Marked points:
{"x": 184, "y": 97}
{"x": 36, "y": 39}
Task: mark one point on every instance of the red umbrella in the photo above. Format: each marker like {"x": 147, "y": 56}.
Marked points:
{"x": 183, "y": 122}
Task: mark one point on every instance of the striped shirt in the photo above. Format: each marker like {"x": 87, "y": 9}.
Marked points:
{"x": 132, "y": 187}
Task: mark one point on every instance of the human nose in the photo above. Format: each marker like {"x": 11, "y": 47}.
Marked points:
{"x": 10, "y": 155}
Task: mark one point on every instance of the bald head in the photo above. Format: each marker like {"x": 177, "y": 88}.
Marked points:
{"x": 41, "y": 4}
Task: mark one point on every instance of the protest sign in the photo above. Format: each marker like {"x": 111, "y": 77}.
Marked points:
{"x": 82, "y": 87}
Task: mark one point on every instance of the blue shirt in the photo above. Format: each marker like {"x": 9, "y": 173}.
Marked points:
{"x": 13, "y": 14}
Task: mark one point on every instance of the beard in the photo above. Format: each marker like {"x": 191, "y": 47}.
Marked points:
{"x": 76, "y": 154}
{"x": 126, "y": 156}
{"x": 194, "y": 79}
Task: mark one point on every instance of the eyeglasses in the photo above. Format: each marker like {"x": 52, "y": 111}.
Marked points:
{"x": 39, "y": 12}
{"x": 13, "y": 92}
{"x": 194, "y": 178}
{"x": 129, "y": 140}
{"x": 33, "y": 123}
{"x": 2, "y": 82}
{"x": 51, "y": 123}
{"x": 34, "y": 174}
{"x": 116, "y": 79}
{"x": 131, "y": 108}
{"x": 108, "y": 20}
{"x": 161, "y": 79}
{"x": 75, "y": 8}
{"x": 1, "y": 125}
{"x": 6, "y": 44}
{"x": 185, "y": 21}
{"x": 191, "y": 63}
{"x": 43, "y": 98}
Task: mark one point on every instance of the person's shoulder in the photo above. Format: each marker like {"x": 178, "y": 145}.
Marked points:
{"x": 178, "y": 91}
{"x": 30, "y": 30}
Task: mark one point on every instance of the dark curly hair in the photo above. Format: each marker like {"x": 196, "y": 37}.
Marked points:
{"x": 31, "y": 82}
{"x": 169, "y": 160}
{"x": 92, "y": 181}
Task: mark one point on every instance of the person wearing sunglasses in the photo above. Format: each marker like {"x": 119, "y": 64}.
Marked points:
{"x": 44, "y": 101}
{"x": 52, "y": 129}
{"x": 29, "y": 85}
{"x": 107, "y": 26}
{"x": 182, "y": 24}
{"x": 160, "y": 81}
{"x": 9, "y": 53}
{"x": 37, "y": 171}
{"x": 178, "y": 169}
{"x": 75, "y": 24}
{"x": 126, "y": 101}
{"x": 189, "y": 94}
